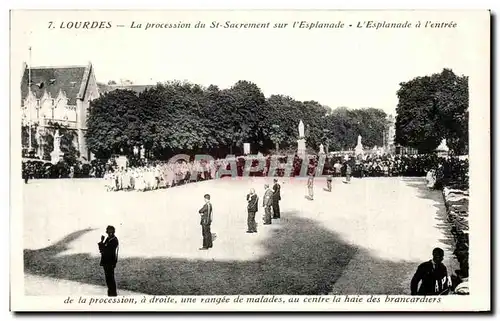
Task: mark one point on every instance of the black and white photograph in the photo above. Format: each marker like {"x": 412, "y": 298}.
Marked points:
{"x": 250, "y": 160}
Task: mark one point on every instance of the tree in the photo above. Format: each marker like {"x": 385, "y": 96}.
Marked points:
{"x": 25, "y": 136}
{"x": 431, "y": 108}
{"x": 283, "y": 111}
{"x": 68, "y": 148}
{"x": 247, "y": 105}
{"x": 181, "y": 117}
{"x": 114, "y": 123}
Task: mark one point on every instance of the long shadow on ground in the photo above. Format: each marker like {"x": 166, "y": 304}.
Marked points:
{"x": 441, "y": 215}
{"x": 302, "y": 258}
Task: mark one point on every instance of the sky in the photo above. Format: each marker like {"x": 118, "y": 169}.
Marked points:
{"x": 351, "y": 67}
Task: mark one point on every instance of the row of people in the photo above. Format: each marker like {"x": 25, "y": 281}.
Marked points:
{"x": 152, "y": 177}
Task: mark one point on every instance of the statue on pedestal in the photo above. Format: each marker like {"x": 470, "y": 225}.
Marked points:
{"x": 301, "y": 142}
{"x": 321, "y": 149}
{"x": 359, "y": 147}
{"x": 56, "y": 153}
{"x": 301, "y": 129}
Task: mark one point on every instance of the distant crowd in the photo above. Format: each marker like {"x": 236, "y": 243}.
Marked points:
{"x": 145, "y": 175}
{"x": 156, "y": 175}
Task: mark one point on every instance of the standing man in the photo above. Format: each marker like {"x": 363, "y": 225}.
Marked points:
{"x": 26, "y": 174}
{"x": 253, "y": 207}
{"x": 329, "y": 179}
{"x": 434, "y": 276}
{"x": 268, "y": 202}
{"x": 310, "y": 186}
{"x": 347, "y": 172}
{"x": 109, "y": 256}
{"x": 206, "y": 221}
{"x": 276, "y": 199}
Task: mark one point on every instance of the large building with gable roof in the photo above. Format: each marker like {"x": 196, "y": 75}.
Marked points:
{"x": 59, "y": 95}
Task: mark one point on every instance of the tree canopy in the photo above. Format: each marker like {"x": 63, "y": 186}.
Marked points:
{"x": 431, "y": 108}
{"x": 177, "y": 117}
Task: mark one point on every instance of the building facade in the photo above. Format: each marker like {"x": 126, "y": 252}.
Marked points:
{"x": 54, "y": 97}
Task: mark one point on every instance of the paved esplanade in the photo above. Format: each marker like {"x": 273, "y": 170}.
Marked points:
{"x": 366, "y": 237}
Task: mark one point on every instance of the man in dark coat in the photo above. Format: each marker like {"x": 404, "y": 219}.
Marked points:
{"x": 434, "y": 276}
{"x": 109, "y": 256}
{"x": 206, "y": 222}
{"x": 253, "y": 207}
{"x": 329, "y": 179}
{"x": 276, "y": 199}
{"x": 268, "y": 202}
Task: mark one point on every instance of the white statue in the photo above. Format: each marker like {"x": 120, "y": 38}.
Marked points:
{"x": 301, "y": 129}
{"x": 57, "y": 142}
{"x": 358, "y": 150}
{"x": 321, "y": 149}
{"x": 56, "y": 154}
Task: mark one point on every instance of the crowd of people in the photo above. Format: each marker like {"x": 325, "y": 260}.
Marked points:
{"x": 155, "y": 175}
{"x": 34, "y": 168}
{"x": 142, "y": 175}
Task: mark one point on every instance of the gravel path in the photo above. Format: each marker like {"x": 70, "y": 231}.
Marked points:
{"x": 366, "y": 237}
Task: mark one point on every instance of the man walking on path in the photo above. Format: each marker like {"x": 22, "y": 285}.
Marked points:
{"x": 329, "y": 182}
{"x": 253, "y": 207}
{"x": 206, "y": 221}
{"x": 347, "y": 172}
{"x": 276, "y": 199}
{"x": 310, "y": 186}
{"x": 109, "y": 257}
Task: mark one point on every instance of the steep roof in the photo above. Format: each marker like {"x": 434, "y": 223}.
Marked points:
{"x": 68, "y": 79}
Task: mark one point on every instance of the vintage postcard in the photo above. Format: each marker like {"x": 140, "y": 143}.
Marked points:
{"x": 260, "y": 160}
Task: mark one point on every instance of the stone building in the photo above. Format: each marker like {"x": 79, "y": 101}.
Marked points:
{"x": 57, "y": 96}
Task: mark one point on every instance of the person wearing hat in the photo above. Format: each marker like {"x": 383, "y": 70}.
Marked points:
{"x": 108, "y": 247}
{"x": 268, "y": 202}
{"x": 276, "y": 199}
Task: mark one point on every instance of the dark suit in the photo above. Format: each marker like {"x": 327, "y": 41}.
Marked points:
{"x": 109, "y": 258}
{"x": 268, "y": 202}
{"x": 329, "y": 182}
{"x": 206, "y": 221}
{"x": 276, "y": 200}
{"x": 434, "y": 279}
{"x": 253, "y": 207}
